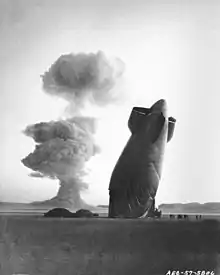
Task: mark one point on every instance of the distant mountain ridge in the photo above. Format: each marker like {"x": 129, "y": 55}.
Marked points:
{"x": 193, "y": 207}
{"x": 102, "y": 206}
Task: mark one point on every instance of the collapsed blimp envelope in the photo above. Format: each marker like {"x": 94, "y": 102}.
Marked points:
{"x": 136, "y": 175}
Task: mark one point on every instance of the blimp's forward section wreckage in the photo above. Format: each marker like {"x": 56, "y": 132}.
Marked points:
{"x": 135, "y": 178}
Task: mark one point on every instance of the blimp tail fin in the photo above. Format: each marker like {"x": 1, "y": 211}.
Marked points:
{"x": 136, "y": 117}
{"x": 171, "y": 127}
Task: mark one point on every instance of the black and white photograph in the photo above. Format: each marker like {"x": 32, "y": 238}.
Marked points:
{"x": 110, "y": 137}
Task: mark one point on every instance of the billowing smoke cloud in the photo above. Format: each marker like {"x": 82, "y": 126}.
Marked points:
{"x": 83, "y": 77}
{"x": 64, "y": 146}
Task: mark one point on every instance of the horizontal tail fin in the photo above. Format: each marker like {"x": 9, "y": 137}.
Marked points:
{"x": 136, "y": 116}
{"x": 171, "y": 127}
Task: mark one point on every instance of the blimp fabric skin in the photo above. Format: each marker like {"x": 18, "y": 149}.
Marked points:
{"x": 135, "y": 178}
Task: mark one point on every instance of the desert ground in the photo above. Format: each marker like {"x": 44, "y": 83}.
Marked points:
{"x": 34, "y": 245}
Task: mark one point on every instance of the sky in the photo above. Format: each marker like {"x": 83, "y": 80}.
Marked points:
{"x": 171, "y": 50}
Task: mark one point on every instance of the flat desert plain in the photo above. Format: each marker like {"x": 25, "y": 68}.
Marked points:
{"x": 36, "y": 245}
